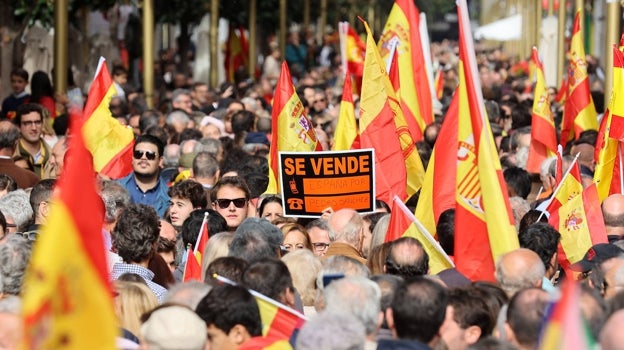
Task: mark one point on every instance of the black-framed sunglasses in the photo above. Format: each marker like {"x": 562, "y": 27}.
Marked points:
{"x": 224, "y": 203}
{"x": 148, "y": 154}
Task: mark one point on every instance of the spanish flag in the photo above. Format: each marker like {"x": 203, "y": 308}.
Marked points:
{"x": 292, "y": 129}
{"x": 483, "y": 217}
{"x": 608, "y": 152}
{"x": 193, "y": 267}
{"x": 109, "y": 142}
{"x": 67, "y": 300}
{"x": 438, "y": 83}
{"x": 543, "y": 134}
{"x": 236, "y": 52}
{"x": 579, "y": 113}
{"x": 399, "y": 169}
{"x": 346, "y": 135}
{"x": 402, "y": 29}
{"x": 404, "y": 224}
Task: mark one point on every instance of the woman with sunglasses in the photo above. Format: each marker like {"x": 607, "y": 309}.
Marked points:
{"x": 231, "y": 199}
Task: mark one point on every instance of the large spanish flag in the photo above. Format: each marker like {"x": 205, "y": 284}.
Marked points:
{"x": 608, "y": 152}
{"x": 579, "y": 113}
{"x": 292, "y": 129}
{"x": 543, "y": 133}
{"x": 404, "y": 224}
{"x": 483, "y": 218}
{"x": 67, "y": 301}
{"x": 402, "y": 29}
{"x": 398, "y": 167}
{"x": 346, "y": 135}
{"x": 109, "y": 142}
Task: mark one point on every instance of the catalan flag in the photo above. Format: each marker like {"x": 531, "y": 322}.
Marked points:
{"x": 402, "y": 30}
{"x": 399, "y": 169}
{"x": 483, "y": 217}
{"x": 346, "y": 135}
{"x": 608, "y": 152}
{"x": 67, "y": 301}
{"x": 292, "y": 129}
{"x": 404, "y": 224}
{"x": 579, "y": 113}
{"x": 109, "y": 142}
{"x": 543, "y": 134}
{"x": 193, "y": 267}
{"x": 564, "y": 327}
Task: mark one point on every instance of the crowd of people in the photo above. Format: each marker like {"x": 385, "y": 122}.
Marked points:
{"x": 205, "y": 151}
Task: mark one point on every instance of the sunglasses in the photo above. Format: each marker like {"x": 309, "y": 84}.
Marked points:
{"x": 148, "y": 154}
{"x": 224, "y": 203}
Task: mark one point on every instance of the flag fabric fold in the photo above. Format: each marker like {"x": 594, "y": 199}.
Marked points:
{"x": 109, "y": 142}
{"x": 194, "y": 255}
{"x": 579, "y": 112}
{"x": 346, "y": 135}
{"x": 236, "y": 52}
{"x": 66, "y": 287}
{"x": 292, "y": 129}
{"x": 543, "y": 134}
{"x": 483, "y": 217}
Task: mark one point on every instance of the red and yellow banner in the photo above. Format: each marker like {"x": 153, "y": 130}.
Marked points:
{"x": 346, "y": 135}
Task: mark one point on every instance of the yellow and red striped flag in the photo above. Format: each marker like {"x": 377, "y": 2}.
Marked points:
{"x": 562, "y": 93}
{"x": 438, "y": 84}
{"x": 346, "y": 135}
{"x": 194, "y": 257}
{"x": 404, "y": 224}
{"x": 579, "y": 112}
{"x": 292, "y": 129}
{"x": 438, "y": 190}
{"x": 67, "y": 300}
{"x": 402, "y": 31}
{"x": 609, "y": 148}
{"x": 395, "y": 80}
{"x": 543, "y": 133}
{"x": 236, "y": 52}
{"x": 399, "y": 169}
{"x": 109, "y": 142}
{"x": 483, "y": 217}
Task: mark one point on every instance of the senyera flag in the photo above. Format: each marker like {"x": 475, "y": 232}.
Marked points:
{"x": 109, "y": 142}
{"x": 292, "y": 129}
{"x": 483, "y": 217}
{"x": 194, "y": 255}
{"x": 67, "y": 300}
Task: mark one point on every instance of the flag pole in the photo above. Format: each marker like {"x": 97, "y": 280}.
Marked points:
{"x": 201, "y": 230}
{"x": 619, "y": 147}
{"x": 554, "y": 194}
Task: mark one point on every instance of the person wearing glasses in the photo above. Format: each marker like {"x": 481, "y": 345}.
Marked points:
{"x": 31, "y": 146}
{"x": 230, "y": 197}
{"x": 144, "y": 183}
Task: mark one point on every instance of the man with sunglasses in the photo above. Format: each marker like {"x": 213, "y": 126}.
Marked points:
{"x": 230, "y": 197}
{"x": 144, "y": 183}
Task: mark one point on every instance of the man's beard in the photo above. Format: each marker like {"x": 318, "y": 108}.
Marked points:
{"x": 147, "y": 177}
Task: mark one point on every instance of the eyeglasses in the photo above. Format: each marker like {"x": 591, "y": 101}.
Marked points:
{"x": 320, "y": 100}
{"x": 148, "y": 154}
{"x": 29, "y": 235}
{"x": 320, "y": 246}
{"x": 224, "y": 203}
{"x": 31, "y": 122}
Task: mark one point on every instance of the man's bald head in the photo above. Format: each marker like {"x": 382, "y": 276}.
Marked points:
{"x": 518, "y": 269}
{"x": 613, "y": 214}
{"x": 9, "y": 133}
{"x": 346, "y": 227}
{"x": 167, "y": 231}
{"x": 407, "y": 258}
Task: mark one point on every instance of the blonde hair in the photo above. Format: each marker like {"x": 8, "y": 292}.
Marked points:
{"x": 218, "y": 247}
{"x": 288, "y": 228}
{"x": 133, "y": 300}
{"x": 304, "y": 267}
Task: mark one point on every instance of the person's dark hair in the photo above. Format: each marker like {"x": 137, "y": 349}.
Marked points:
{"x": 519, "y": 180}
{"x": 154, "y": 140}
{"x": 205, "y": 165}
{"x": 469, "y": 309}
{"x": 388, "y": 284}
{"x": 41, "y": 192}
{"x": 136, "y": 231}
{"x": 191, "y": 190}
{"x": 190, "y": 134}
{"x": 7, "y": 182}
{"x": 243, "y": 121}
{"x": 419, "y": 309}
{"x": 525, "y": 314}
{"x": 165, "y": 245}
{"x": 491, "y": 343}
{"x": 541, "y": 238}
{"x": 40, "y": 86}
{"x": 234, "y": 181}
{"x": 381, "y": 204}
{"x": 531, "y": 217}
{"x": 445, "y": 229}
{"x": 20, "y": 72}
{"x": 256, "y": 240}
{"x": 493, "y": 295}
{"x": 162, "y": 273}
{"x": 234, "y": 159}
{"x": 588, "y": 136}
{"x": 119, "y": 70}
{"x": 3, "y": 222}
{"x": 266, "y": 200}
{"x": 26, "y": 109}
{"x": 373, "y": 219}
{"x": 192, "y": 225}
{"x": 269, "y": 277}
{"x": 156, "y": 131}
{"x": 148, "y": 118}
{"x": 257, "y": 183}
{"x": 413, "y": 268}
{"x": 229, "y": 267}
{"x": 520, "y": 117}
{"x": 132, "y": 277}
{"x": 226, "y": 306}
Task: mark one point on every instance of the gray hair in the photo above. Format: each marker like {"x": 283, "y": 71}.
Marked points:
{"x": 256, "y": 239}
{"x": 208, "y": 145}
{"x": 175, "y": 95}
{"x": 350, "y": 232}
{"x": 115, "y": 198}
{"x": 14, "y": 258}
{"x": 188, "y": 293}
{"x": 11, "y": 304}
{"x": 16, "y": 205}
{"x": 177, "y": 116}
{"x": 171, "y": 155}
{"x": 331, "y": 331}
{"x": 379, "y": 232}
{"x": 355, "y": 296}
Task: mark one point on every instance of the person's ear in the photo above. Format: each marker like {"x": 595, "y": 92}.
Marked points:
{"x": 390, "y": 320}
{"x": 238, "y": 334}
{"x": 472, "y": 334}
